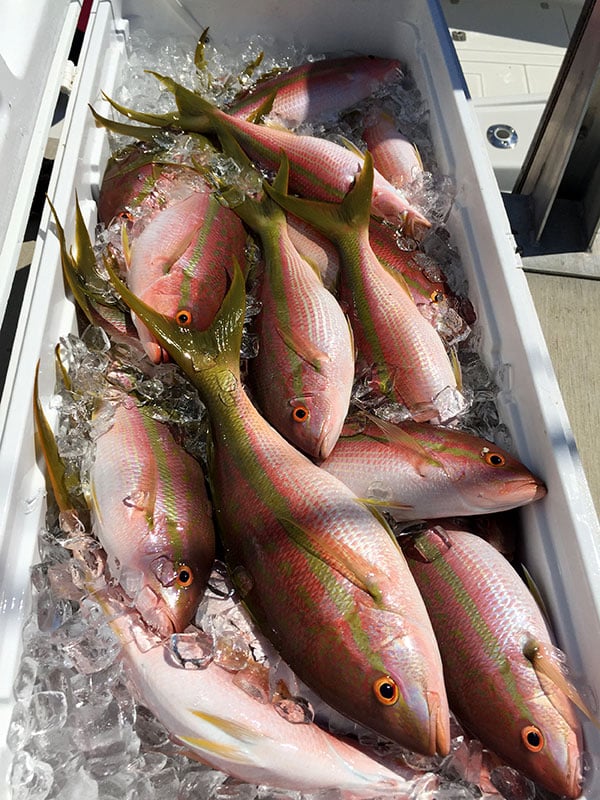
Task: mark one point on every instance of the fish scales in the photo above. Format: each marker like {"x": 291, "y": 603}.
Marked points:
{"x": 306, "y": 357}
{"x": 308, "y": 519}
{"x": 407, "y": 353}
{"x": 427, "y": 471}
{"x": 178, "y": 261}
{"x": 318, "y": 614}
{"x": 318, "y": 90}
{"x": 150, "y": 505}
{"x": 484, "y": 616}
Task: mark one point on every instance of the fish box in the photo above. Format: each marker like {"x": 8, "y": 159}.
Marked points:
{"x": 561, "y": 538}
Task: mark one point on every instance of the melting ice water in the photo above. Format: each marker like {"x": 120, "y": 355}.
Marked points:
{"x": 76, "y": 729}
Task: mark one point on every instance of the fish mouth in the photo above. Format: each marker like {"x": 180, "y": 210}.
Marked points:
{"x": 526, "y": 490}
{"x": 154, "y": 613}
{"x": 156, "y": 353}
{"x": 515, "y": 493}
{"x": 439, "y": 727}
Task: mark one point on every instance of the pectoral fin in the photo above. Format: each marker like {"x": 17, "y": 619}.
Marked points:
{"x": 302, "y": 347}
{"x": 227, "y": 751}
{"x": 234, "y": 729}
{"x": 544, "y": 660}
{"x": 347, "y": 563}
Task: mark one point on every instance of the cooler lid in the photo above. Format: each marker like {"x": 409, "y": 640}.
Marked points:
{"x": 35, "y": 38}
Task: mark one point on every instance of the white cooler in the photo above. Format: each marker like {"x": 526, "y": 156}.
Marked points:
{"x": 561, "y": 536}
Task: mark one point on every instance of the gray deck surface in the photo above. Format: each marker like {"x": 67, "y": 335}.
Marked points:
{"x": 568, "y": 309}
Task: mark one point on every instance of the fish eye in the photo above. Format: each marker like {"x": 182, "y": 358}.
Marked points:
{"x": 533, "y": 738}
{"x": 437, "y": 296}
{"x": 300, "y": 414}
{"x": 493, "y": 459}
{"x": 185, "y": 576}
{"x": 183, "y": 317}
{"x": 386, "y": 690}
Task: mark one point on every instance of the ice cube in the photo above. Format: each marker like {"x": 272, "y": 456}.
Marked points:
{"x": 152, "y": 733}
{"x": 19, "y": 729}
{"x": 48, "y": 711}
{"x": 192, "y": 650}
{"x": 511, "y": 784}
{"x": 80, "y": 785}
{"x": 165, "y": 782}
{"x": 30, "y": 778}
{"x": 233, "y": 789}
{"x": 25, "y": 680}
{"x": 200, "y": 782}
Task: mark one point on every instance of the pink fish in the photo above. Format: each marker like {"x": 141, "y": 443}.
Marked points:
{"x": 303, "y": 373}
{"x": 152, "y": 515}
{"x": 394, "y": 156}
{"x": 318, "y": 167}
{"x": 422, "y": 471}
{"x": 177, "y": 262}
{"x": 317, "y": 90}
{"x": 220, "y": 724}
{"x": 504, "y": 678}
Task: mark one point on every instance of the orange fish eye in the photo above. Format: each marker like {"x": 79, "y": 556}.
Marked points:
{"x": 300, "y": 414}
{"x": 493, "y": 459}
{"x": 185, "y": 576}
{"x": 437, "y": 296}
{"x": 533, "y": 738}
{"x": 183, "y": 318}
{"x": 386, "y": 690}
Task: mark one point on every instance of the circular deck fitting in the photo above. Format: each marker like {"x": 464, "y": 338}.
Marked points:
{"x": 502, "y": 136}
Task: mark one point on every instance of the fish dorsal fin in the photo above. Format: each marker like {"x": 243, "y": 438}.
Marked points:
{"x": 263, "y": 110}
{"x": 302, "y": 347}
{"x": 199, "y": 59}
{"x": 342, "y": 560}
{"x": 547, "y": 661}
{"x": 426, "y": 546}
{"x": 349, "y": 145}
{"x": 397, "y": 276}
{"x": 401, "y": 437}
{"x": 535, "y": 592}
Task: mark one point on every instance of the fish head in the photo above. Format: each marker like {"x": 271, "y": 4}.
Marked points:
{"x": 313, "y": 422}
{"x": 547, "y": 747}
{"x": 165, "y": 298}
{"x": 170, "y": 594}
{"x": 488, "y": 478}
{"x": 407, "y": 696}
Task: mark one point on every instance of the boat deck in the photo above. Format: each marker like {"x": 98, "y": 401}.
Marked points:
{"x": 510, "y": 53}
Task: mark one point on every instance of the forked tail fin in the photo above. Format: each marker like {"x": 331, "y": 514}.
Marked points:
{"x": 200, "y": 354}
